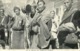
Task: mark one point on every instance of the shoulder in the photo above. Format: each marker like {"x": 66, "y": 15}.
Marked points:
{"x": 46, "y": 18}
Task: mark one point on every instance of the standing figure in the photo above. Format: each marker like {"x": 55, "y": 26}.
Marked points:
{"x": 27, "y": 26}
{"x": 10, "y": 21}
{"x": 17, "y": 36}
{"x": 2, "y": 30}
{"x": 67, "y": 36}
{"x": 40, "y": 27}
{"x": 53, "y": 30}
{"x": 33, "y": 33}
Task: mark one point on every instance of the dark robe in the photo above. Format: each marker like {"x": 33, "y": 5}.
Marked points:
{"x": 9, "y": 20}
{"x": 3, "y": 23}
{"x": 69, "y": 16}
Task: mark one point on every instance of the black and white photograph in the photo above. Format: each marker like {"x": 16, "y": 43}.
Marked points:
{"x": 39, "y": 24}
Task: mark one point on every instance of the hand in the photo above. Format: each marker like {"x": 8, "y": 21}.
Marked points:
{"x": 61, "y": 28}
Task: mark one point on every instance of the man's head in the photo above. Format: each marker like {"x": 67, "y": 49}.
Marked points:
{"x": 40, "y": 6}
{"x": 52, "y": 14}
{"x": 68, "y": 3}
{"x": 28, "y": 9}
{"x": 1, "y": 11}
{"x": 33, "y": 9}
{"x": 17, "y": 10}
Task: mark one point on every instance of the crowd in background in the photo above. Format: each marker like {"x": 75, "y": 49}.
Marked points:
{"x": 35, "y": 30}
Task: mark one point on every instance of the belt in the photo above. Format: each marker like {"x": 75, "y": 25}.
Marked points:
{"x": 18, "y": 29}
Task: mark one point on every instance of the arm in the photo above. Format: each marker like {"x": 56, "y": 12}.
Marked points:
{"x": 67, "y": 27}
{"x": 34, "y": 20}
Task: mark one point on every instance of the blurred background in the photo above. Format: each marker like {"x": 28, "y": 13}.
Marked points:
{"x": 57, "y": 5}
{"x": 9, "y": 4}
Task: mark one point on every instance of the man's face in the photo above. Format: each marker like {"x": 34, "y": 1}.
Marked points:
{"x": 33, "y": 10}
{"x": 40, "y": 6}
{"x": 17, "y": 11}
{"x": 67, "y": 3}
{"x": 1, "y": 12}
{"x": 52, "y": 14}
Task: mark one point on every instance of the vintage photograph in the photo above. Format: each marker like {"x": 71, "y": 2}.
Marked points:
{"x": 39, "y": 24}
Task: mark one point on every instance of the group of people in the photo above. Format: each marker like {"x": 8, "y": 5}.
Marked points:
{"x": 34, "y": 30}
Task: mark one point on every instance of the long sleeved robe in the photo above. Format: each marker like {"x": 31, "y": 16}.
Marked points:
{"x": 44, "y": 30}
{"x": 64, "y": 29}
{"x": 17, "y": 36}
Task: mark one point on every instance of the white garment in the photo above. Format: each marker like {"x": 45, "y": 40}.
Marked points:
{"x": 54, "y": 29}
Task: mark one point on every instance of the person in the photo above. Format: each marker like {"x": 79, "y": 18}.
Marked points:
{"x": 3, "y": 25}
{"x": 27, "y": 26}
{"x": 67, "y": 30}
{"x": 10, "y": 21}
{"x": 33, "y": 10}
{"x": 41, "y": 26}
{"x": 33, "y": 33}
{"x": 17, "y": 36}
{"x": 2, "y": 28}
{"x": 53, "y": 30}
{"x": 29, "y": 34}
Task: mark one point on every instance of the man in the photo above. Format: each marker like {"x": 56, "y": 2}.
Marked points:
{"x": 33, "y": 33}
{"x": 10, "y": 21}
{"x": 17, "y": 36}
{"x": 66, "y": 32}
{"x": 27, "y": 26}
{"x": 29, "y": 33}
{"x": 43, "y": 30}
{"x": 53, "y": 30}
{"x": 2, "y": 28}
{"x": 33, "y": 11}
